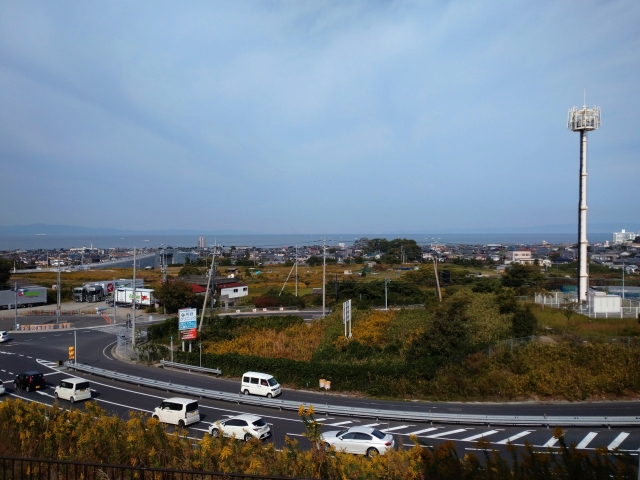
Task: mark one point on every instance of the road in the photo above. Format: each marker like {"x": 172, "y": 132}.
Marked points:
{"x": 40, "y": 351}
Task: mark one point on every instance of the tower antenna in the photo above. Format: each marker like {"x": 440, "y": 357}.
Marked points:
{"x": 583, "y": 121}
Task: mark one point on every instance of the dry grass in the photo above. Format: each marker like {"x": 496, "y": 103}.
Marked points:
{"x": 294, "y": 343}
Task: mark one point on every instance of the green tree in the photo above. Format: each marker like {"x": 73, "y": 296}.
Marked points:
{"x": 523, "y": 278}
{"x": 314, "y": 261}
{"x": 189, "y": 269}
{"x": 175, "y": 295}
{"x": 5, "y": 271}
{"x": 524, "y": 323}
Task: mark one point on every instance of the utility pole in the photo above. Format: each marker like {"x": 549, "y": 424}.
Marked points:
{"x": 296, "y": 269}
{"x": 15, "y": 307}
{"x": 324, "y": 270}
{"x": 336, "y": 287}
{"x": 115, "y": 305}
{"x": 58, "y": 296}
{"x": 386, "y": 282}
{"x": 133, "y": 316}
{"x": 435, "y": 268}
{"x": 211, "y": 274}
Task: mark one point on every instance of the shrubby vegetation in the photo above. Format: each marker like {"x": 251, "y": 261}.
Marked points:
{"x": 38, "y": 431}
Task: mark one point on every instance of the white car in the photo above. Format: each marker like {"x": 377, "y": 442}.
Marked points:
{"x": 359, "y": 440}
{"x": 178, "y": 411}
{"x": 73, "y": 389}
{"x": 243, "y": 426}
{"x": 4, "y": 336}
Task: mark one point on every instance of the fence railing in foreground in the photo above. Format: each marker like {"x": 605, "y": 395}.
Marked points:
{"x": 191, "y": 368}
{"x": 417, "y": 416}
{"x": 14, "y": 468}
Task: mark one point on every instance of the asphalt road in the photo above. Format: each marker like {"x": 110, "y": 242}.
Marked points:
{"x": 40, "y": 351}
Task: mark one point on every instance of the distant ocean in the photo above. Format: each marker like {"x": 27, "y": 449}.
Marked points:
{"x": 50, "y": 242}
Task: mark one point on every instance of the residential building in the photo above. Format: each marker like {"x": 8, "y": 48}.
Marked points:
{"x": 623, "y": 236}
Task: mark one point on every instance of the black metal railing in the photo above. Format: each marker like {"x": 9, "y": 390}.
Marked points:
{"x": 40, "y": 469}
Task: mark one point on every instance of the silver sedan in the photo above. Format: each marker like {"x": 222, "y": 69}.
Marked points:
{"x": 359, "y": 440}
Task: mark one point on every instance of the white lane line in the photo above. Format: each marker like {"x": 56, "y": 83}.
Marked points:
{"x": 20, "y": 355}
{"x": 387, "y": 430}
{"x": 586, "y": 440}
{"x": 479, "y": 435}
{"x": 121, "y": 405}
{"x": 371, "y": 425}
{"x": 324, "y": 419}
{"x": 514, "y": 437}
{"x": 338, "y": 424}
{"x": 618, "y": 440}
{"x": 105, "y": 349}
{"x": 3, "y": 370}
{"x": 422, "y": 431}
{"x": 29, "y": 356}
{"x": 444, "y": 434}
{"x": 551, "y": 442}
{"x": 58, "y": 335}
{"x": 295, "y": 434}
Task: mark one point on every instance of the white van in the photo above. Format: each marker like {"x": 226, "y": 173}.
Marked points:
{"x": 73, "y": 389}
{"x": 255, "y": 383}
{"x": 178, "y": 411}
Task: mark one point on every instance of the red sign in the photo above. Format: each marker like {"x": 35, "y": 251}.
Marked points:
{"x": 109, "y": 287}
{"x": 190, "y": 334}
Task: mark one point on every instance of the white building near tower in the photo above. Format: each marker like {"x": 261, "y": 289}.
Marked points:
{"x": 622, "y": 237}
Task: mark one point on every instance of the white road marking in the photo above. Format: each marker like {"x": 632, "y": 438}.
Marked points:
{"x": 296, "y": 434}
{"x": 586, "y": 440}
{"x": 387, "y": 430}
{"x": 514, "y": 437}
{"x": 618, "y": 440}
{"x": 121, "y": 405}
{"x": 422, "y": 431}
{"x": 444, "y": 434}
{"x": 371, "y": 425}
{"x": 338, "y": 424}
{"x": 551, "y": 442}
{"x": 105, "y": 349}
{"x": 479, "y": 435}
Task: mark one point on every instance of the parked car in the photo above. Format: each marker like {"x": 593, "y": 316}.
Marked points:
{"x": 73, "y": 389}
{"x": 243, "y": 426}
{"x": 1, "y": 388}
{"x": 359, "y": 440}
{"x": 4, "y": 336}
{"x": 178, "y": 411}
{"x": 29, "y": 381}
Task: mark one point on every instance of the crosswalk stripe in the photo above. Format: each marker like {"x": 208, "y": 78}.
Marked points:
{"x": 586, "y": 440}
{"x": 387, "y": 430}
{"x": 551, "y": 442}
{"x": 422, "y": 431}
{"x": 444, "y": 434}
{"x": 338, "y": 424}
{"x": 480, "y": 435}
{"x": 514, "y": 437}
{"x": 618, "y": 440}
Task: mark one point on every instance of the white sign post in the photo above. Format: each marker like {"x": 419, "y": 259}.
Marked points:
{"x": 346, "y": 317}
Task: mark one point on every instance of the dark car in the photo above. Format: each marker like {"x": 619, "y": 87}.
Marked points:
{"x": 29, "y": 381}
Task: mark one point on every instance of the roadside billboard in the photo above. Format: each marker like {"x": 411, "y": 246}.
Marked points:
{"x": 187, "y": 321}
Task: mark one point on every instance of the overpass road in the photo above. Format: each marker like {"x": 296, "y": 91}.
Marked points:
{"x": 41, "y": 350}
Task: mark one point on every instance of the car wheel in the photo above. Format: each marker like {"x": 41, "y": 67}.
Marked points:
{"x": 71, "y": 399}
{"x": 55, "y": 395}
{"x": 327, "y": 446}
{"x": 155, "y": 416}
{"x": 28, "y": 389}
{"x": 215, "y": 432}
{"x": 372, "y": 452}
{"x": 248, "y": 437}
{"x": 181, "y": 423}
{"x": 269, "y": 395}
{"x": 246, "y": 392}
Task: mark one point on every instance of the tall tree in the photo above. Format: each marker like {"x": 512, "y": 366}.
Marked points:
{"x": 5, "y": 271}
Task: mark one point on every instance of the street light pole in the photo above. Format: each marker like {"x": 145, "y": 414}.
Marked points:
{"x": 58, "y": 295}
{"x": 324, "y": 270}
{"x": 386, "y": 281}
{"x": 133, "y": 316}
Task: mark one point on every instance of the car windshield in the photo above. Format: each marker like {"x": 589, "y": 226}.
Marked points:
{"x": 341, "y": 432}
{"x": 378, "y": 434}
{"x": 272, "y": 381}
{"x": 259, "y": 423}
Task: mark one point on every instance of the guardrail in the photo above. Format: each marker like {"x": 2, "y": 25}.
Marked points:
{"x": 190, "y": 367}
{"x": 521, "y": 420}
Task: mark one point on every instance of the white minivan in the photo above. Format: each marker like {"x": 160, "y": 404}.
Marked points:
{"x": 178, "y": 411}
{"x": 255, "y": 383}
{"x": 73, "y": 389}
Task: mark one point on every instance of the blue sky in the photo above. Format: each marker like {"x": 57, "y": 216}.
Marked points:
{"x": 297, "y": 117}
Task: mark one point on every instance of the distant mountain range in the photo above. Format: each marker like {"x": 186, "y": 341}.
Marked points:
{"x": 69, "y": 230}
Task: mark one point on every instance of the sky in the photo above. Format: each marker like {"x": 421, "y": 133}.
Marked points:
{"x": 299, "y": 117}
